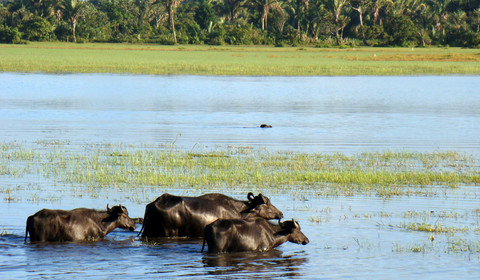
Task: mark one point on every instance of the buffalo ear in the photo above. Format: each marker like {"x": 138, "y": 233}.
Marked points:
{"x": 262, "y": 198}
{"x": 108, "y": 208}
{"x": 250, "y": 196}
{"x": 288, "y": 226}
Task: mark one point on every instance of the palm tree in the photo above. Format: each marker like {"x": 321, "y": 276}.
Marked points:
{"x": 424, "y": 21}
{"x": 476, "y": 18}
{"x": 156, "y": 12}
{"x": 299, "y": 11}
{"x": 265, "y": 6}
{"x": 440, "y": 15}
{"x": 20, "y": 13}
{"x": 43, "y": 8}
{"x": 171, "y": 7}
{"x": 231, "y": 8}
{"x": 336, "y": 8}
{"x": 459, "y": 19}
{"x": 377, "y": 7}
{"x": 72, "y": 10}
{"x": 150, "y": 11}
{"x": 360, "y": 7}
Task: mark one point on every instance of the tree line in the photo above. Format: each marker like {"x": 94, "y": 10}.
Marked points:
{"x": 244, "y": 22}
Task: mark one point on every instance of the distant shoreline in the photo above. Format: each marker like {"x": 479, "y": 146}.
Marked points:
{"x": 47, "y": 57}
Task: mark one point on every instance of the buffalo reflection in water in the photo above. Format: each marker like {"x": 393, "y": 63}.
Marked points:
{"x": 271, "y": 262}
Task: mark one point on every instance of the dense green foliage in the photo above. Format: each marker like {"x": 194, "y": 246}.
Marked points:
{"x": 244, "y": 22}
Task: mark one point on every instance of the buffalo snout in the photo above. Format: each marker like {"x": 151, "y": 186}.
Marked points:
{"x": 131, "y": 226}
{"x": 125, "y": 222}
{"x": 302, "y": 238}
{"x": 268, "y": 212}
{"x": 279, "y": 215}
{"x": 274, "y": 213}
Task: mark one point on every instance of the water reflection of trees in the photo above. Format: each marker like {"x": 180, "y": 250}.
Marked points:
{"x": 264, "y": 264}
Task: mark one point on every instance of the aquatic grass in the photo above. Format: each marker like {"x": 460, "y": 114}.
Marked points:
{"x": 9, "y": 197}
{"x": 415, "y": 248}
{"x": 8, "y": 170}
{"x": 462, "y": 245}
{"x": 384, "y": 174}
{"x": 451, "y": 245}
{"x": 436, "y": 228}
{"x": 17, "y": 154}
{"x": 436, "y": 214}
{"x": 4, "y": 232}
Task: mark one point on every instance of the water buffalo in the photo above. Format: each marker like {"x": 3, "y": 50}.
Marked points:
{"x": 180, "y": 216}
{"x": 79, "y": 224}
{"x": 252, "y": 234}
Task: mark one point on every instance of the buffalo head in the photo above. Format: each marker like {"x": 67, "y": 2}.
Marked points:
{"x": 292, "y": 230}
{"x": 261, "y": 206}
{"x": 120, "y": 214}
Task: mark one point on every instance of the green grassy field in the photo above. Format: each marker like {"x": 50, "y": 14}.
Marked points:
{"x": 235, "y": 60}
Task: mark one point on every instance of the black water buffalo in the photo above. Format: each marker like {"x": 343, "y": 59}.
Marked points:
{"x": 180, "y": 216}
{"x": 79, "y": 224}
{"x": 252, "y": 234}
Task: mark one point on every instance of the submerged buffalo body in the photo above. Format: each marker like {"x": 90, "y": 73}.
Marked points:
{"x": 252, "y": 234}
{"x": 76, "y": 225}
{"x": 177, "y": 216}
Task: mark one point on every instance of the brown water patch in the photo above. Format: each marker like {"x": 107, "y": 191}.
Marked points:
{"x": 447, "y": 57}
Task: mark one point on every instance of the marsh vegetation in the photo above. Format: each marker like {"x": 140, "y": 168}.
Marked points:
{"x": 242, "y": 168}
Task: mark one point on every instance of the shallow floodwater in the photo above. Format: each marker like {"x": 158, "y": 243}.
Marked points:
{"x": 308, "y": 114}
{"x": 360, "y": 237}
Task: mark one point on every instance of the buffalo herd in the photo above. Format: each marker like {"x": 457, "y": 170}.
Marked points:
{"x": 226, "y": 224}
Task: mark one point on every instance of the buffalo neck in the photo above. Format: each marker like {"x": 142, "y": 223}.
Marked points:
{"x": 108, "y": 225}
{"x": 243, "y": 207}
{"x": 280, "y": 235}
{"x": 104, "y": 219}
{"x": 239, "y": 206}
{"x": 279, "y": 240}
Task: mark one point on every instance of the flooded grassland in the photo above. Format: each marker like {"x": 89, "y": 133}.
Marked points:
{"x": 382, "y": 173}
{"x": 363, "y": 213}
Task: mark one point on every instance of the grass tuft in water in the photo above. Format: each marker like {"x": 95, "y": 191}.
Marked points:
{"x": 437, "y": 228}
{"x": 4, "y": 232}
{"x": 462, "y": 245}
